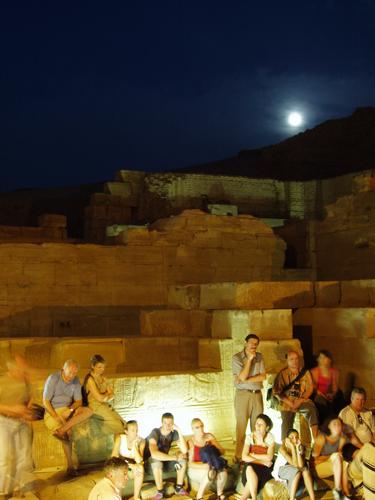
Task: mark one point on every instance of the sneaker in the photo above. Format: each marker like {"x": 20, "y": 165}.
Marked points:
{"x": 181, "y": 492}
{"x": 158, "y": 496}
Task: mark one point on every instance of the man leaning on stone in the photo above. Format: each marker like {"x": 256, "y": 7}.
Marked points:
{"x": 249, "y": 373}
{"x": 62, "y": 399}
{"x": 116, "y": 477}
{"x": 293, "y": 387}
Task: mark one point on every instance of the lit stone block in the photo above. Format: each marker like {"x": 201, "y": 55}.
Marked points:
{"x": 81, "y": 351}
{"x": 257, "y": 295}
{"x": 184, "y": 297}
{"x": 355, "y": 293}
{"x": 179, "y": 323}
{"x": 338, "y": 322}
{"x": 267, "y": 324}
{"x": 327, "y": 293}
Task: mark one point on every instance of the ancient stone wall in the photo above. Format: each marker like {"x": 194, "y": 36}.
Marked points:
{"x": 59, "y": 289}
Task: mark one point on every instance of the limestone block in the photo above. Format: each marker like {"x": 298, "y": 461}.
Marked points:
{"x": 130, "y": 294}
{"x": 355, "y": 293}
{"x": 5, "y": 353}
{"x": 218, "y": 296}
{"x": 338, "y": 322}
{"x": 327, "y": 293}
{"x": 159, "y": 354}
{"x": 123, "y": 189}
{"x": 82, "y": 350}
{"x": 52, "y": 220}
{"x": 257, "y": 295}
{"x": 209, "y": 354}
{"x": 274, "y": 295}
{"x": 184, "y": 297}
{"x": 179, "y": 323}
{"x": 133, "y": 176}
{"x": 267, "y": 324}
{"x": 47, "y": 450}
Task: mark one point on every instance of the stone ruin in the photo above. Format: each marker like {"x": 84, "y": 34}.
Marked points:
{"x": 168, "y": 304}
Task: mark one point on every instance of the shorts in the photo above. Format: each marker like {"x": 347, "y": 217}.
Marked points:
{"x": 166, "y": 466}
{"x": 51, "y": 423}
{"x": 288, "y": 473}
{"x": 325, "y": 469}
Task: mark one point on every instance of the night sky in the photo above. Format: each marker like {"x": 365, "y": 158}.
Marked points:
{"x": 88, "y": 88}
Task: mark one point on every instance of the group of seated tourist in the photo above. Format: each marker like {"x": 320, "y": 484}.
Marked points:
{"x": 343, "y": 438}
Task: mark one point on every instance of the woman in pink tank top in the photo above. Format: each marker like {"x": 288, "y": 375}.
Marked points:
{"x": 326, "y": 384}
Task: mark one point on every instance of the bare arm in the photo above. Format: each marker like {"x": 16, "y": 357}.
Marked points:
{"x": 191, "y": 451}
{"x": 181, "y": 440}
{"x": 317, "y": 449}
{"x": 116, "y": 446}
{"x": 216, "y": 443}
{"x": 93, "y": 389}
{"x": 157, "y": 454}
{"x": 139, "y": 450}
{"x": 16, "y": 411}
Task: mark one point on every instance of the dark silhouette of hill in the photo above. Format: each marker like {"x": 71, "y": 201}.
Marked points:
{"x": 333, "y": 148}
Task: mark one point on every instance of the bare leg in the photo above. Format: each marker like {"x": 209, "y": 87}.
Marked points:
{"x": 221, "y": 481}
{"x": 309, "y": 483}
{"x": 181, "y": 474}
{"x": 80, "y": 415}
{"x": 337, "y": 471}
{"x": 158, "y": 476}
{"x": 67, "y": 447}
{"x": 203, "y": 484}
{"x": 251, "y": 487}
{"x": 138, "y": 479}
{"x": 294, "y": 486}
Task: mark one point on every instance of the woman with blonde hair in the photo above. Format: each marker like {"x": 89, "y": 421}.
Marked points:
{"x": 201, "y": 446}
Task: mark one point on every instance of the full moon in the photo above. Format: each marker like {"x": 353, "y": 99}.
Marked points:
{"x": 294, "y": 119}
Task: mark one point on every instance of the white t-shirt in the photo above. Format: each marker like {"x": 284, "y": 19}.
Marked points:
{"x": 362, "y": 424}
{"x": 124, "y": 450}
{"x": 105, "y": 490}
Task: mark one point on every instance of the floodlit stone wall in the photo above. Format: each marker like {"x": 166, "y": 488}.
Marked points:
{"x": 60, "y": 289}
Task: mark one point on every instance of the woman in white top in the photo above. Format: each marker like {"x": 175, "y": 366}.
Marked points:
{"x": 131, "y": 447}
{"x": 290, "y": 465}
{"x": 257, "y": 454}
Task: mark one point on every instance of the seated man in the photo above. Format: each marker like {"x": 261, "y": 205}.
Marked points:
{"x": 359, "y": 421}
{"x": 62, "y": 399}
{"x": 362, "y": 469}
{"x": 159, "y": 443}
{"x": 293, "y": 386}
{"x": 116, "y": 476}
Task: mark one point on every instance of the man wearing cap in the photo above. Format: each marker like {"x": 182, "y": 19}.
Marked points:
{"x": 249, "y": 373}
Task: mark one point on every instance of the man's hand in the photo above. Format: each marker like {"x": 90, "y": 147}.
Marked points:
{"x": 21, "y": 411}
{"x": 250, "y": 354}
{"x": 65, "y": 414}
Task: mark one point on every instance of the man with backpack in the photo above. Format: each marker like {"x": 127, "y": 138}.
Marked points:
{"x": 293, "y": 387}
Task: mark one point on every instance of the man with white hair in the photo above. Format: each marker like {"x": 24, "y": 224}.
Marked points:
{"x": 359, "y": 421}
{"x": 62, "y": 399}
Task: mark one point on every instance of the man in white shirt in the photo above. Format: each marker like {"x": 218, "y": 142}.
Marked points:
{"x": 116, "y": 477}
{"x": 359, "y": 421}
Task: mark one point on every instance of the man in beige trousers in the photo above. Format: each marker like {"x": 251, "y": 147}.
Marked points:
{"x": 249, "y": 373}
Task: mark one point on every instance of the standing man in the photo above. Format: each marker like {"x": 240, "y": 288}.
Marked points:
{"x": 359, "y": 421}
{"x": 16, "y": 463}
{"x": 249, "y": 373}
{"x": 62, "y": 399}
